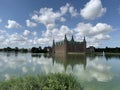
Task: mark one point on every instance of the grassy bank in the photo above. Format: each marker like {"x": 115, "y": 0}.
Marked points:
{"x": 108, "y": 53}
{"x": 42, "y": 82}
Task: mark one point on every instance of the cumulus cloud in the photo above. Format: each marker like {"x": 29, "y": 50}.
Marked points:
{"x": 93, "y": 9}
{"x": 88, "y": 29}
{"x": 16, "y": 37}
{"x": 13, "y": 39}
{"x": 68, "y": 8}
{"x": 46, "y": 16}
{"x": 94, "y": 34}
{"x": 55, "y": 29}
{"x": 3, "y": 35}
{"x": 49, "y": 16}
{"x": 34, "y": 33}
{"x": 12, "y": 24}
{"x": 43, "y": 41}
{"x": 58, "y": 34}
{"x": 30, "y": 24}
{"x": 3, "y": 32}
{"x": 73, "y": 11}
{"x": 26, "y": 32}
{"x": 62, "y": 19}
{"x": 2, "y": 38}
{"x": 64, "y": 9}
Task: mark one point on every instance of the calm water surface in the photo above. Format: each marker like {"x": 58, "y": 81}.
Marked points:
{"x": 93, "y": 72}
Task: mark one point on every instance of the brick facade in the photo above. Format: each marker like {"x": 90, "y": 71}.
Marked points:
{"x": 71, "y": 46}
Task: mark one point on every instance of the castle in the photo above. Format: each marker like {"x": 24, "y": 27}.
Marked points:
{"x": 65, "y": 46}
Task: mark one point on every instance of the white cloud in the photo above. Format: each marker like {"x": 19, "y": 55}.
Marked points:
{"x": 34, "y": 33}
{"x": 64, "y": 9}
{"x": 30, "y": 24}
{"x": 92, "y": 10}
{"x": 57, "y": 34}
{"x": 73, "y": 11}
{"x": 16, "y": 37}
{"x": 50, "y": 26}
{"x": 43, "y": 41}
{"x": 13, "y": 39}
{"x": 94, "y": 34}
{"x": 3, "y": 35}
{"x": 62, "y": 19}
{"x": 26, "y": 33}
{"x": 12, "y": 24}
{"x": 46, "y": 16}
{"x": 49, "y": 16}
{"x": 2, "y": 38}
{"x": 52, "y": 20}
{"x": 39, "y": 41}
{"x": 87, "y": 29}
{"x": 3, "y": 32}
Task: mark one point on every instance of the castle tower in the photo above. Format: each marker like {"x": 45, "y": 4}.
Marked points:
{"x": 65, "y": 39}
{"x": 53, "y": 47}
{"x": 65, "y": 44}
{"x": 84, "y": 43}
{"x": 53, "y": 42}
{"x": 84, "y": 39}
{"x": 72, "y": 39}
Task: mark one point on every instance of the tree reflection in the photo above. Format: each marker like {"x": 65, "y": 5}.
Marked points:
{"x": 110, "y": 57}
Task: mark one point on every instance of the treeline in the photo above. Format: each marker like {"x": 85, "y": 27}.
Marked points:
{"x": 108, "y": 49}
{"x": 32, "y": 50}
{"x": 16, "y": 49}
{"x": 40, "y": 50}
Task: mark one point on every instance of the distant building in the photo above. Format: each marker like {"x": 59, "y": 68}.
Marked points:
{"x": 91, "y": 49}
{"x": 71, "y": 46}
{"x": 47, "y": 49}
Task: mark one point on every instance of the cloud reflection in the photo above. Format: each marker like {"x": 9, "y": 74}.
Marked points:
{"x": 81, "y": 67}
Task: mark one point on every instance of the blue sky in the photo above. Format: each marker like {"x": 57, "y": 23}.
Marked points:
{"x": 27, "y": 23}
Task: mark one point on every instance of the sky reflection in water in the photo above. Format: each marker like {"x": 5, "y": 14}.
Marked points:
{"x": 86, "y": 69}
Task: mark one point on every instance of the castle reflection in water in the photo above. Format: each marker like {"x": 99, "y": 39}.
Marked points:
{"x": 73, "y": 59}
{"x": 66, "y": 59}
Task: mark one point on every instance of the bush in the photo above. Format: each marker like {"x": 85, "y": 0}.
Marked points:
{"x": 42, "y": 82}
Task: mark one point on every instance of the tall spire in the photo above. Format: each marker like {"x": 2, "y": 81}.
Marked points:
{"x": 65, "y": 39}
{"x": 72, "y": 39}
{"x": 84, "y": 39}
{"x": 53, "y": 42}
{"x": 53, "y": 47}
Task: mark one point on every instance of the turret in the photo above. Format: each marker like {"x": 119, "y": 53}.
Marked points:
{"x": 84, "y": 39}
{"x": 53, "y": 43}
{"x": 53, "y": 47}
{"x": 72, "y": 39}
{"x": 65, "y": 44}
{"x": 65, "y": 39}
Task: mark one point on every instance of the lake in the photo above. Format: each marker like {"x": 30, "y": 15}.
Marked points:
{"x": 94, "y": 72}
